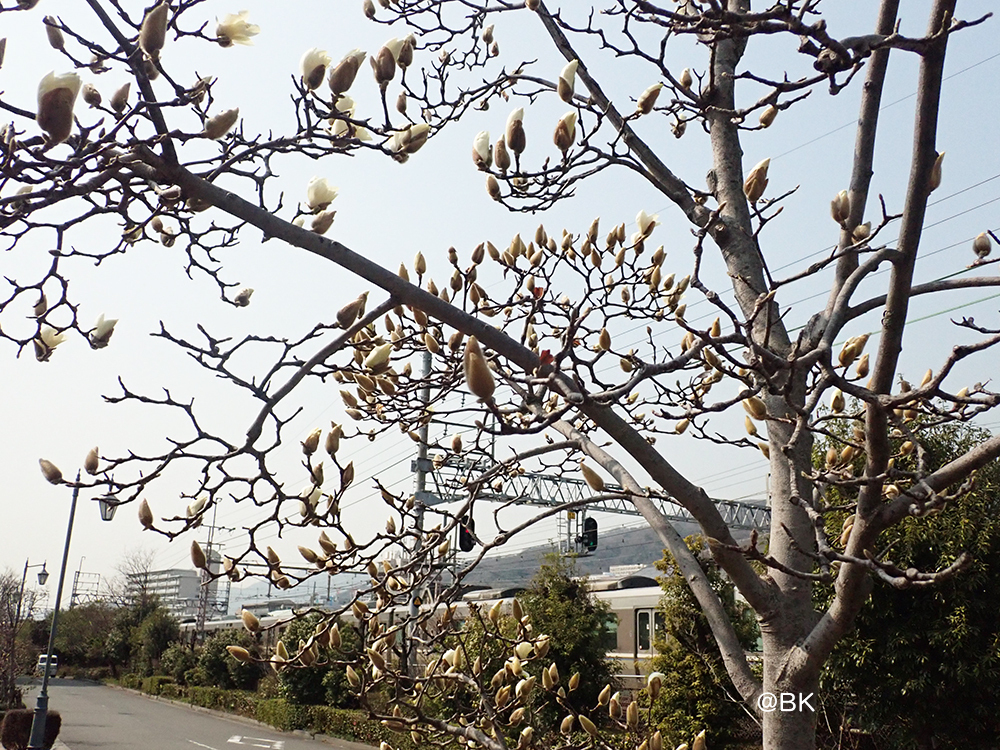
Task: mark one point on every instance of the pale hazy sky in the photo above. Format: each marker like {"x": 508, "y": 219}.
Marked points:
{"x": 389, "y": 211}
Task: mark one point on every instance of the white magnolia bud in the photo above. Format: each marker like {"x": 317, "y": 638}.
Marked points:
{"x": 56, "y": 97}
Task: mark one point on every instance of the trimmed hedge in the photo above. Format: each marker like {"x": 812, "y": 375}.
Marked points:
{"x": 281, "y": 714}
{"x": 15, "y": 732}
{"x": 154, "y": 685}
{"x": 133, "y": 681}
{"x": 277, "y": 712}
{"x": 355, "y": 725}
{"x": 219, "y": 699}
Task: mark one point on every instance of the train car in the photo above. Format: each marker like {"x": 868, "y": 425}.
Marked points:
{"x": 631, "y": 633}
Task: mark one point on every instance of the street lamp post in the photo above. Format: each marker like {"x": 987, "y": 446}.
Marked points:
{"x": 43, "y": 576}
{"x": 38, "y": 721}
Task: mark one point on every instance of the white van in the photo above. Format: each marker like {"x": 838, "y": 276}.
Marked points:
{"x": 40, "y": 666}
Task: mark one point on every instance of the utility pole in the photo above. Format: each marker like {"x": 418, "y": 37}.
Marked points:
{"x": 204, "y": 594}
{"x": 419, "y": 492}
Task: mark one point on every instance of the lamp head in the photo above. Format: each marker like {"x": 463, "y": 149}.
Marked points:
{"x": 109, "y": 504}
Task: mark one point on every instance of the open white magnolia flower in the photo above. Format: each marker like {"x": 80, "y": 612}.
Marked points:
{"x": 101, "y": 334}
{"x": 342, "y": 128}
{"x": 646, "y": 223}
{"x": 314, "y": 65}
{"x": 235, "y": 29}
{"x": 47, "y": 340}
{"x": 409, "y": 141}
{"x": 394, "y": 45}
{"x": 320, "y": 193}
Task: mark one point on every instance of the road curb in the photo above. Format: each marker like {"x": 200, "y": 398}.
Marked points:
{"x": 327, "y": 739}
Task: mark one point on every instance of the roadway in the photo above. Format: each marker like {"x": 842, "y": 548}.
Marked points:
{"x": 97, "y": 716}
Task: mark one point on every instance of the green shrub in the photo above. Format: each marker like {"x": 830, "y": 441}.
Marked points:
{"x": 154, "y": 685}
{"x": 15, "y": 732}
{"x": 338, "y": 691}
{"x": 282, "y": 715}
{"x": 195, "y": 676}
{"x": 177, "y": 660}
{"x": 325, "y": 682}
{"x": 132, "y": 681}
{"x": 269, "y": 687}
{"x": 218, "y": 667}
{"x": 174, "y": 691}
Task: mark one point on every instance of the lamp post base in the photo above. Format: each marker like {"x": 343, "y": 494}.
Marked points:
{"x": 38, "y": 721}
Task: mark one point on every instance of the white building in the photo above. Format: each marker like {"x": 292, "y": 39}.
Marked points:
{"x": 178, "y": 590}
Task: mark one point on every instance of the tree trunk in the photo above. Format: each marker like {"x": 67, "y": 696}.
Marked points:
{"x": 791, "y": 725}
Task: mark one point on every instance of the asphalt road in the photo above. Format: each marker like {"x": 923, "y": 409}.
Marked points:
{"x": 97, "y": 716}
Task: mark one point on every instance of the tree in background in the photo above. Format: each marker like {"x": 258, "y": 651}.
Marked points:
{"x": 151, "y": 638}
{"x": 121, "y": 641}
{"x": 921, "y": 669}
{"x": 578, "y": 633}
{"x": 696, "y": 691}
{"x": 131, "y": 584}
{"x": 82, "y": 637}
{"x": 323, "y": 681}
{"x": 16, "y": 612}
{"x": 217, "y": 668}
{"x": 578, "y": 625}
{"x": 540, "y": 333}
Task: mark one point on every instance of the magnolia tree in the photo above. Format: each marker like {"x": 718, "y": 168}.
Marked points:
{"x": 530, "y": 326}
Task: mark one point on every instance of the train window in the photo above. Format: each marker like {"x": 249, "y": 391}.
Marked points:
{"x": 649, "y": 627}
{"x": 609, "y": 636}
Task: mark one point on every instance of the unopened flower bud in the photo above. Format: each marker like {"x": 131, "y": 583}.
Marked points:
{"x": 515, "y": 131}
{"x": 119, "y": 100}
{"x": 840, "y": 207}
{"x": 91, "y": 462}
{"x": 647, "y": 99}
{"x": 50, "y": 471}
{"x": 218, "y": 126}
{"x": 567, "y": 80}
{"x": 198, "y": 558}
{"x": 594, "y": 480}
{"x": 145, "y": 515}
{"x": 239, "y": 653}
{"x": 756, "y": 181}
{"x": 54, "y": 34}
{"x": 56, "y": 96}
{"x": 342, "y": 76}
{"x": 767, "y": 116}
{"x": 91, "y": 95}
{"x": 565, "y": 132}
{"x": 493, "y": 187}
{"x": 153, "y": 33}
